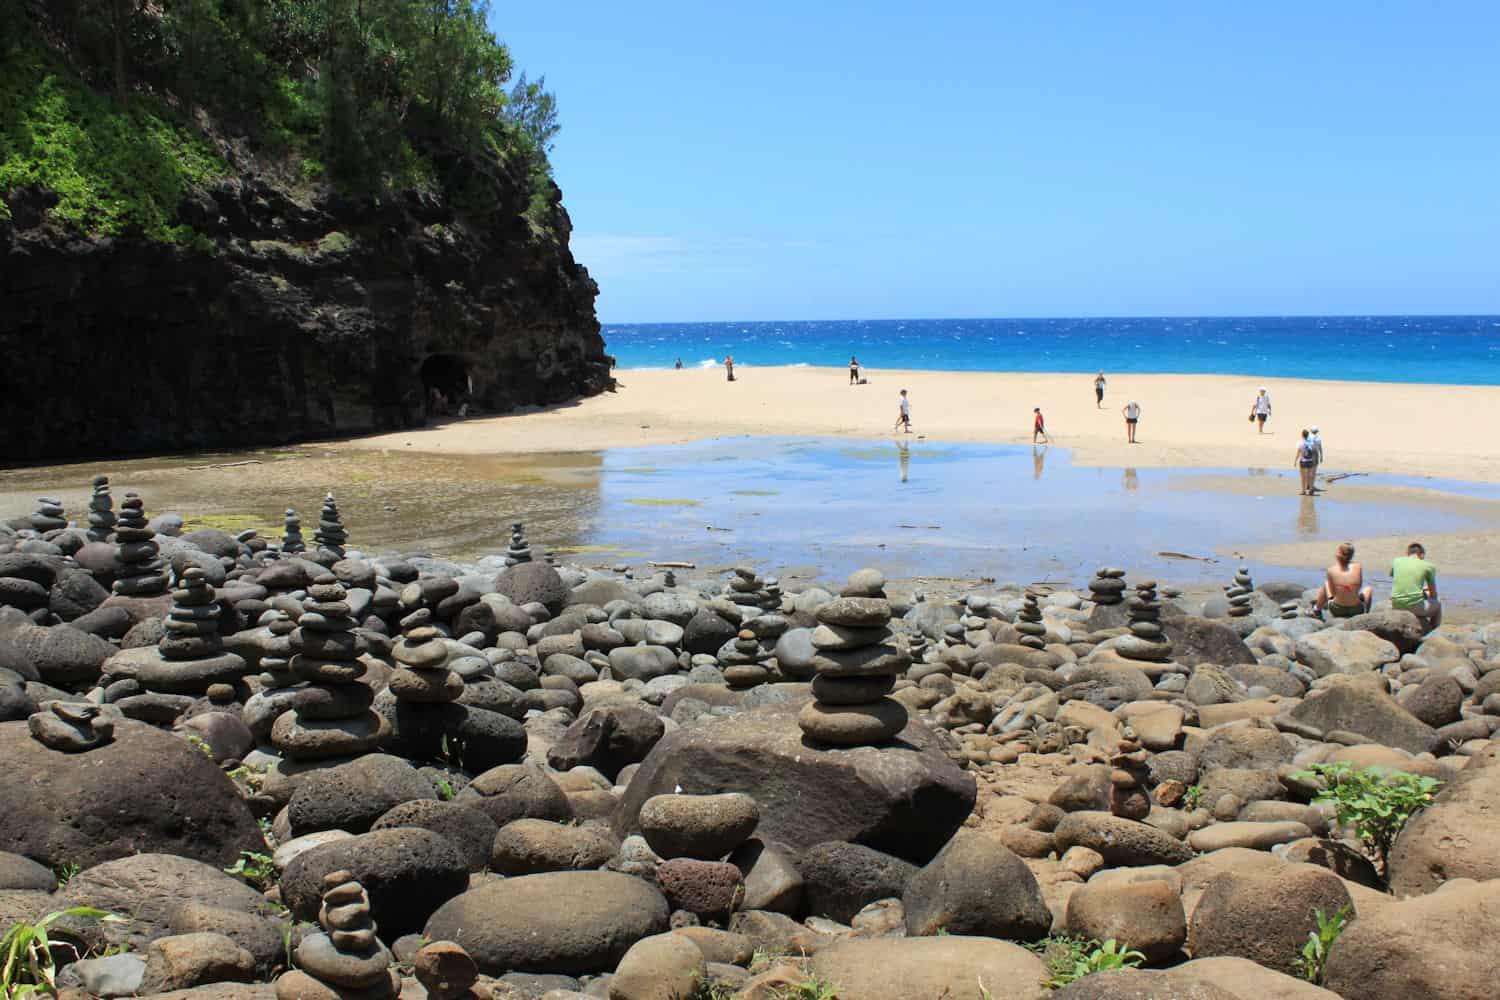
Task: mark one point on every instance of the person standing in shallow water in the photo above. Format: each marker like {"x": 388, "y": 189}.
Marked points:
{"x": 1099, "y": 391}
{"x": 1307, "y": 464}
{"x": 678, "y": 366}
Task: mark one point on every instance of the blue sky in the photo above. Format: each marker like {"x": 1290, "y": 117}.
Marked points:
{"x": 878, "y": 159}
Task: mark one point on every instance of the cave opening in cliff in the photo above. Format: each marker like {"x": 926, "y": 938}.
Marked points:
{"x": 446, "y": 385}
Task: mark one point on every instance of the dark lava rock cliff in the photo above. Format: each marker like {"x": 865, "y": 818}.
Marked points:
{"x": 311, "y": 314}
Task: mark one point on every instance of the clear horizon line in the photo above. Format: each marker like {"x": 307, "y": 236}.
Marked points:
{"x": 1034, "y": 319}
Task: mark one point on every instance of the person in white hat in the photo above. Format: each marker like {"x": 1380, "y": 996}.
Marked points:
{"x": 1260, "y": 410}
{"x": 1317, "y": 444}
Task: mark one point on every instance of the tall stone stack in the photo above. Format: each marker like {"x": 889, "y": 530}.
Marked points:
{"x": 192, "y": 641}
{"x": 141, "y": 572}
{"x": 422, "y": 677}
{"x": 1239, "y": 593}
{"x": 855, "y": 667}
{"x": 49, "y": 515}
{"x": 1146, "y": 643}
{"x": 1108, "y": 586}
{"x": 332, "y": 715}
{"x": 519, "y": 551}
{"x": 330, "y": 535}
{"x": 276, "y": 660}
{"x": 291, "y": 533}
{"x": 1029, "y": 622}
{"x": 1130, "y": 773}
{"x": 345, "y": 958}
{"x": 101, "y": 511}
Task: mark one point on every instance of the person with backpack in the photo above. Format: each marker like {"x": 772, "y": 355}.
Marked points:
{"x": 1307, "y": 463}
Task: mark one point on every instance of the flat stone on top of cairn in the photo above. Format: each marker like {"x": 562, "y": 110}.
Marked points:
{"x": 1029, "y": 622}
{"x": 1146, "y": 641}
{"x": 519, "y": 551}
{"x": 330, "y": 535}
{"x": 291, "y": 533}
{"x": 1108, "y": 586}
{"x": 856, "y": 664}
{"x": 1239, "y": 593}
{"x": 141, "y": 573}
{"x": 422, "y": 676}
{"x": 331, "y": 716}
{"x": 49, "y": 515}
{"x": 101, "y": 511}
{"x": 743, "y": 659}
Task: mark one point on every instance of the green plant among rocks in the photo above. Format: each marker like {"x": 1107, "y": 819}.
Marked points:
{"x": 27, "y": 965}
{"x": 65, "y": 872}
{"x": 1376, "y": 802}
{"x": 1192, "y": 797}
{"x": 255, "y": 868}
{"x": 1069, "y": 958}
{"x": 1314, "y": 954}
{"x": 810, "y": 989}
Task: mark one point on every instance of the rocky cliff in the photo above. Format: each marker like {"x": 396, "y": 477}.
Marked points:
{"x": 305, "y": 314}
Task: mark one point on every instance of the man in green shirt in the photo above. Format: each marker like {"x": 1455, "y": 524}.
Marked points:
{"x": 1414, "y": 586}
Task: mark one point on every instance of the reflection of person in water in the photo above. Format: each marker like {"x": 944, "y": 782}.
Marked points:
{"x": 903, "y": 455}
{"x": 1038, "y": 457}
{"x": 1131, "y": 482}
{"x": 1307, "y": 516}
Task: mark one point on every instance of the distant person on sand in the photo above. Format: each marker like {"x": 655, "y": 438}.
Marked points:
{"x": 1039, "y": 426}
{"x": 1414, "y": 586}
{"x": 1317, "y": 443}
{"x": 853, "y": 370}
{"x": 903, "y": 413}
{"x": 729, "y": 366}
{"x": 1260, "y": 410}
{"x": 678, "y": 366}
{"x": 1132, "y": 411}
{"x": 1344, "y": 593}
{"x": 1307, "y": 463}
{"x": 1099, "y": 391}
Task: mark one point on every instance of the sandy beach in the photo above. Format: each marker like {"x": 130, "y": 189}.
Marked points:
{"x": 1187, "y": 421}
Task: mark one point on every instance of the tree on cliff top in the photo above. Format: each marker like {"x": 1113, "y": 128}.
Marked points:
{"x": 364, "y": 93}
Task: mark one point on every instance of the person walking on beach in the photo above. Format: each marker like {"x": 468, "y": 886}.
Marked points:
{"x": 1344, "y": 593}
{"x": 729, "y": 366}
{"x": 1307, "y": 463}
{"x": 1132, "y": 412}
{"x": 678, "y": 366}
{"x": 1099, "y": 391}
{"x": 853, "y": 370}
{"x": 1039, "y": 426}
{"x": 1317, "y": 443}
{"x": 903, "y": 413}
{"x": 1414, "y": 586}
{"x": 1260, "y": 410}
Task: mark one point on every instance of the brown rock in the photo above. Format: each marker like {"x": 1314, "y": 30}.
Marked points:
{"x": 1146, "y": 916}
{"x": 1264, "y": 916}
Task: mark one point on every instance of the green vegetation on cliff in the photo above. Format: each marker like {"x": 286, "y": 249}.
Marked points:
{"x": 117, "y": 107}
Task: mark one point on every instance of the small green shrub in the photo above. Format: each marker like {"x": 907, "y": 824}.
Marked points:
{"x": 1193, "y": 796}
{"x": 444, "y": 789}
{"x": 199, "y": 744}
{"x": 812, "y": 989}
{"x": 27, "y": 966}
{"x": 255, "y": 868}
{"x": 65, "y": 872}
{"x": 1315, "y": 952}
{"x": 1375, "y": 801}
{"x": 1070, "y": 958}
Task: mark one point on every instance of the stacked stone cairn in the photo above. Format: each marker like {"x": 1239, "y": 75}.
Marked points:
{"x": 276, "y": 660}
{"x": 519, "y": 551}
{"x": 140, "y": 573}
{"x": 1108, "y": 586}
{"x": 1129, "y": 775}
{"x": 332, "y": 715}
{"x": 856, "y": 664}
{"x": 291, "y": 533}
{"x": 330, "y": 535}
{"x": 101, "y": 511}
{"x": 1290, "y": 610}
{"x": 422, "y": 677}
{"x": 1239, "y": 593}
{"x": 744, "y": 660}
{"x": 49, "y": 515}
{"x": 1029, "y": 622}
{"x": 1146, "y": 643}
{"x": 192, "y": 648}
{"x": 747, "y": 589}
{"x": 345, "y": 958}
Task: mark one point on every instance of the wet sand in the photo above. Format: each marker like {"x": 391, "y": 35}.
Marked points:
{"x": 1187, "y": 421}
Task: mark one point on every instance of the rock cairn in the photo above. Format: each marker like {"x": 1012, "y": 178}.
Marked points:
{"x": 141, "y": 573}
{"x": 49, "y": 515}
{"x": 1130, "y": 773}
{"x": 1146, "y": 642}
{"x": 747, "y": 589}
{"x": 1290, "y": 610}
{"x": 422, "y": 677}
{"x": 291, "y": 533}
{"x": 101, "y": 511}
{"x": 345, "y": 958}
{"x": 192, "y": 646}
{"x": 744, "y": 660}
{"x": 1029, "y": 622}
{"x": 856, "y": 664}
{"x": 73, "y": 726}
{"x": 330, "y": 535}
{"x": 276, "y": 659}
{"x": 1239, "y": 593}
{"x": 519, "y": 551}
{"x": 332, "y": 716}
{"x": 1108, "y": 586}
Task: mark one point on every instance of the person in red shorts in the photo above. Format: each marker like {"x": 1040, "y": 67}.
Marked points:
{"x": 1039, "y": 427}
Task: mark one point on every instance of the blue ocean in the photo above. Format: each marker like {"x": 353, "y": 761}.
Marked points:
{"x": 1452, "y": 350}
